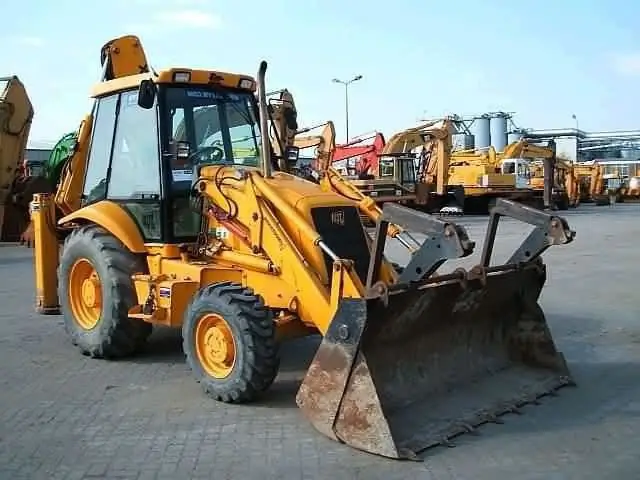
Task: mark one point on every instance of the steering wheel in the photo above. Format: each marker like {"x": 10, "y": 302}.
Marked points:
{"x": 210, "y": 154}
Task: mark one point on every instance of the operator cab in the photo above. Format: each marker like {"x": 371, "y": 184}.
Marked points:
{"x": 518, "y": 167}
{"x": 149, "y": 141}
{"x": 399, "y": 169}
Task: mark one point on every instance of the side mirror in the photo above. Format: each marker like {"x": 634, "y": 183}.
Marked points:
{"x": 146, "y": 94}
{"x": 291, "y": 155}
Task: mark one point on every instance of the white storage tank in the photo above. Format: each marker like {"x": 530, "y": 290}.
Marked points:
{"x": 498, "y": 130}
{"x": 481, "y": 129}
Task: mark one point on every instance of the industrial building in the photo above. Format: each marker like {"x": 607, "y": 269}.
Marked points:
{"x": 618, "y": 151}
{"x": 38, "y": 151}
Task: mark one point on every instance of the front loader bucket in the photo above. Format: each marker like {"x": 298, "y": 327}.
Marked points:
{"x": 420, "y": 363}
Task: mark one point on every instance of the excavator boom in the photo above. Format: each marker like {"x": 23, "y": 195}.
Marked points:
{"x": 17, "y": 186}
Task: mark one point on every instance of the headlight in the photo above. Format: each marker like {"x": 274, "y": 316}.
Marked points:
{"x": 398, "y": 193}
{"x": 374, "y": 194}
{"x": 182, "y": 77}
{"x": 246, "y": 83}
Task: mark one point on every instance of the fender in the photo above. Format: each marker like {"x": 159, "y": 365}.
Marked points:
{"x": 113, "y": 218}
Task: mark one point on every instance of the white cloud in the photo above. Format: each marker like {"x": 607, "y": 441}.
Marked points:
{"x": 29, "y": 40}
{"x": 627, "y": 63}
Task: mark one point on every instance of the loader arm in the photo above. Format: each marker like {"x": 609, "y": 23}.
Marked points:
{"x": 331, "y": 180}
{"x": 287, "y": 259}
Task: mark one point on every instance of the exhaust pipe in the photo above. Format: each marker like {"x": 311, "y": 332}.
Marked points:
{"x": 264, "y": 121}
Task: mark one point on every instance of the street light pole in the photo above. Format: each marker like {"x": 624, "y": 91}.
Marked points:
{"x": 346, "y": 98}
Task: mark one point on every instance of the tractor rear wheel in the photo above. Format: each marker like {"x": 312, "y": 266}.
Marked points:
{"x": 96, "y": 293}
{"x": 229, "y": 342}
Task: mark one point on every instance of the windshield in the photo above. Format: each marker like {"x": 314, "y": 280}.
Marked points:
{"x": 220, "y": 126}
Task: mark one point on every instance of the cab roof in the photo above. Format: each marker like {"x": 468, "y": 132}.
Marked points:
{"x": 197, "y": 77}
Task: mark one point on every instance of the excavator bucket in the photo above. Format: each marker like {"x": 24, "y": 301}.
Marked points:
{"x": 433, "y": 356}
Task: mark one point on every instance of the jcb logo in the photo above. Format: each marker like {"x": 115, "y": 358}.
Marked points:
{"x": 337, "y": 217}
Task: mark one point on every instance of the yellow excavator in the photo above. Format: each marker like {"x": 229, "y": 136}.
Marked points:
{"x": 17, "y": 182}
{"x": 532, "y": 165}
{"x": 156, "y": 221}
{"x": 449, "y": 180}
{"x": 590, "y": 180}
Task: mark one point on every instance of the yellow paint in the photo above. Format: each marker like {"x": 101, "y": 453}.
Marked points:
{"x": 281, "y": 262}
{"x": 272, "y": 246}
{"x": 199, "y": 78}
{"x": 85, "y": 294}
{"x": 69, "y": 192}
{"x": 46, "y": 254}
{"x": 215, "y": 346}
{"x": 114, "y": 219}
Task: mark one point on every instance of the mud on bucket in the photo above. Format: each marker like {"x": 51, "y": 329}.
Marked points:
{"x": 435, "y": 362}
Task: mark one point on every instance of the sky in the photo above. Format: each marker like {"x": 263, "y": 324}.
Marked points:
{"x": 418, "y": 58}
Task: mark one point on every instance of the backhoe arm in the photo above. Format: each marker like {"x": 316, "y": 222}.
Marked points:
{"x": 69, "y": 192}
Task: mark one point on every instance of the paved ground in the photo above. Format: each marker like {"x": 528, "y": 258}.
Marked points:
{"x": 63, "y": 416}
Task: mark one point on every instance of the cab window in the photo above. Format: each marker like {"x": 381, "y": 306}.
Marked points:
{"x": 218, "y": 127}
{"x": 95, "y": 182}
{"x": 135, "y": 166}
{"x": 134, "y": 181}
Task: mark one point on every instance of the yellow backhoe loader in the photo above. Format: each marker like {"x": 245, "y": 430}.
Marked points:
{"x": 160, "y": 223}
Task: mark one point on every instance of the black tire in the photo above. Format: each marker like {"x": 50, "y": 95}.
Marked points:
{"x": 115, "y": 335}
{"x": 253, "y": 329}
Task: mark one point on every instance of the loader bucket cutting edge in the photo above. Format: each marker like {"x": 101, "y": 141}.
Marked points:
{"x": 434, "y": 363}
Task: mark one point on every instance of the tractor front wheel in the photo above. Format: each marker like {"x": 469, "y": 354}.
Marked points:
{"x": 229, "y": 342}
{"x": 96, "y": 292}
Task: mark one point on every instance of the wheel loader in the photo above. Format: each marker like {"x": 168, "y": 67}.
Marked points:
{"x": 172, "y": 210}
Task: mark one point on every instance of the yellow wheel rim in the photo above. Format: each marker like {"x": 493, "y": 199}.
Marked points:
{"x": 85, "y": 294}
{"x": 215, "y": 347}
